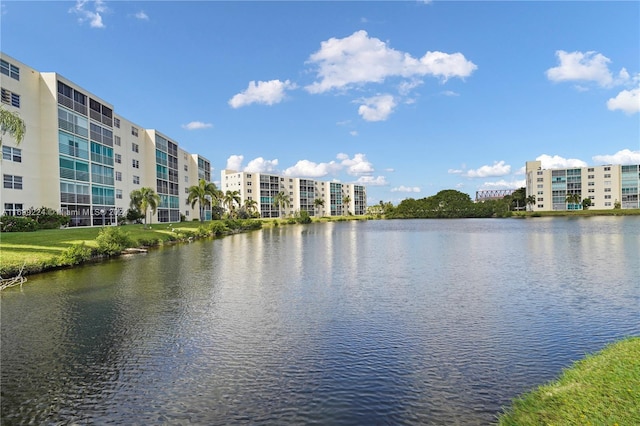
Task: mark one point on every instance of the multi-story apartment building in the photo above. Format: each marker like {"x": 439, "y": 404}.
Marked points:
{"x": 337, "y": 198}
{"x": 606, "y": 186}
{"x": 83, "y": 159}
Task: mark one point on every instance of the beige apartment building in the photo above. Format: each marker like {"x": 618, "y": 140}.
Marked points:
{"x": 81, "y": 158}
{"x": 607, "y": 186}
{"x": 337, "y": 198}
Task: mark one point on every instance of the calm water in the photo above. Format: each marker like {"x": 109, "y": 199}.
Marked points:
{"x": 379, "y": 322}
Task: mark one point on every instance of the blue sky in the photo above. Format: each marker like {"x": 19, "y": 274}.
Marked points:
{"x": 406, "y": 97}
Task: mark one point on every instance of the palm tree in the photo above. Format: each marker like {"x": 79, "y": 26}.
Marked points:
{"x": 530, "y": 200}
{"x": 574, "y": 198}
{"x": 144, "y": 199}
{"x": 12, "y": 123}
{"x": 345, "y": 201}
{"x": 318, "y": 202}
{"x": 251, "y": 205}
{"x": 282, "y": 201}
{"x": 231, "y": 198}
{"x": 203, "y": 194}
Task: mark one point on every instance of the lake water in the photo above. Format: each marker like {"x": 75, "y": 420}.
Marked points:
{"x": 349, "y": 323}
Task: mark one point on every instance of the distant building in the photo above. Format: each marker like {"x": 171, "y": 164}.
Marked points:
{"x": 605, "y": 186}
{"x": 302, "y": 193}
{"x": 81, "y": 158}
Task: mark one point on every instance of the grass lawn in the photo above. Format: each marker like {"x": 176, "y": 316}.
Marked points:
{"x": 610, "y": 212}
{"x": 602, "y": 389}
{"x": 34, "y": 249}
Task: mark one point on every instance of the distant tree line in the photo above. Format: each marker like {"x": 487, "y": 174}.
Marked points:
{"x": 450, "y": 203}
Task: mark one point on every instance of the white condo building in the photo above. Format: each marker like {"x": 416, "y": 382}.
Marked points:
{"x": 81, "y": 158}
{"x": 606, "y": 186}
{"x": 337, "y": 198}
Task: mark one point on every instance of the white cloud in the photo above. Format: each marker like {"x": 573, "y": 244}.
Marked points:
{"x": 260, "y": 165}
{"x": 504, "y": 184}
{"x": 195, "y": 125}
{"x": 557, "y": 162}
{"x": 579, "y": 66}
{"x": 264, "y": 92}
{"x": 624, "y": 157}
{"x": 499, "y": 168}
{"x": 353, "y": 133}
{"x": 627, "y": 101}
{"x": 377, "y": 108}
{"x": 94, "y": 16}
{"x": 359, "y": 59}
{"x": 449, "y": 93}
{"x": 142, "y": 16}
{"x": 402, "y": 188}
{"x": 234, "y": 162}
{"x": 306, "y": 168}
{"x": 358, "y": 165}
{"x": 372, "y": 181}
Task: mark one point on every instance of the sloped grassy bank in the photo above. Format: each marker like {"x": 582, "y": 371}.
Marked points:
{"x": 601, "y": 389}
{"x": 44, "y": 250}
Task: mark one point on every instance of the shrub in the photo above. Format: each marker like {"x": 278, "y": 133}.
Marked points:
{"x": 217, "y": 228}
{"x": 75, "y": 254}
{"x": 148, "y": 242}
{"x": 47, "y": 218}
{"x": 112, "y": 240}
{"x": 17, "y": 224}
{"x": 302, "y": 216}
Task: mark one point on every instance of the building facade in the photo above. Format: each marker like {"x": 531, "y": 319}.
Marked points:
{"x": 318, "y": 198}
{"x": 607, "y": 187}
{"x": 81, "y": 158}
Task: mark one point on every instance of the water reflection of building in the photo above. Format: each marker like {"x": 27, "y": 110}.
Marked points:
{"x": 606, "y": 187}
{"x": 337, "y": 198}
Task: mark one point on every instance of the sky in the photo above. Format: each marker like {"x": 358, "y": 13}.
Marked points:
{"x": 406, "y": 97}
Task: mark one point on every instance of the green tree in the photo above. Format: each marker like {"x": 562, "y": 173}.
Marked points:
{"x": 317, "y": 203}
{"x": 10, "y": 122}
{"x": 586, "y": 203}
{"x": 531, "y": 201}
{"x": 203, "y": 194}
{"x": 251, "y": 206}
{"x": 231, "y": 198}
{"x": 282, "y": 201}
{"x": 345, "y": 201}
{"x": 144, "y": 199}
{"x": 573, "y": 200}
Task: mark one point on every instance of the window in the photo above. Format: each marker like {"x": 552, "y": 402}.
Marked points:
{"x": 12, "y": 154}
{"x": 607, "y": 197}
{"x": 590, "y": 169}
{"x": 249, "y": 191}
{"x": 608, "y": 175}
{"x": 119, "y": 176}
{"x": 136, "y": 180}
{"x": 12, "y": 182}
{"x": 540, "y": 180}
{"x": 607, "y": 204}
{"x": 607, "y": 190}
{"x": 186, "y": 178}
{"x": 186, "y": 168}
{"x": 116, "y": 140}
{"x": 607, "y": 169}
{"x": 134, "y": 132}
{"x": 10, "y": 98}
{"x": 134, "y": 147}
{"x": 135, "y": 163}
{"x": 119, "y": 194}
{"x": 591, "y": 190}
{"x": 116, "y": 122}
{"x": 591, "y": 176}
{"x": 11, "y": 209}
{"x": 118, "y": 158}
{"x": 591, "y": 184}
{"x": 9, "y": 69}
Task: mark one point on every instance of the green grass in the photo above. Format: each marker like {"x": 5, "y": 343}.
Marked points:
{"x": 609, "y": 212}
{"x": 601, "y": 389}
{"x": 38, "y": 250}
